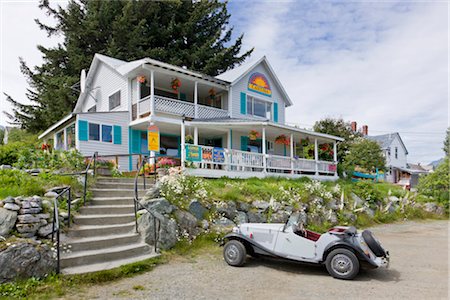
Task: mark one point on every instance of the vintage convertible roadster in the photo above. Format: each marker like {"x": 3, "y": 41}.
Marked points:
{"x": 341, "y": 249}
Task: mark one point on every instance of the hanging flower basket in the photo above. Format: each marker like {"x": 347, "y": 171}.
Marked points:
{"x": 212, "y": 94}
{"x": 141, "y": 79}
{"x": 282, "y": 140}
{"x": 189, "y": 139}
{"x": 253, "y": 135}
{"x": 175, "y": 84}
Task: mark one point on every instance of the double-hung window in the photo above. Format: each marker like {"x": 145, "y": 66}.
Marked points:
{"x": 114, "y": 100}
{"x": 259, "y": 108}
{"x": 107, "y": 133}
{"x": 94, "y": 132}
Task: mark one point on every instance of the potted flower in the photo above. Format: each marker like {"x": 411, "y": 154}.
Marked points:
{"x": 141, "y": 79}
{"x": 282, "y": 140}
{"x": 175, "y": 84}
{"x": 253, "y": 135}
{"x": 164, "y": 164}
{"x": 189, "y": 139}
{"x": 104, "y": 167}
{"x": 147, "y": 169}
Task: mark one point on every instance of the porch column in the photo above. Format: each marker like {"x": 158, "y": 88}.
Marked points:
{"x": 183, "y": 150}
{"x": 292, "y": 153}
{"x": 64, "y": 139}
{"x": 264, "y": 149}
{"x": 195, "y": 135}
{"x": 54, "y": 141}
{"x": 335, "y": 156}
{"x": 196, "y": 100}
{"x": 152, "y": 92}
{"x": 316, "y": 155}
{"x": 228, "y": 152}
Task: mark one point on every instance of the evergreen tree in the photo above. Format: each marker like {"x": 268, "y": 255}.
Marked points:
{"x": 194, "y": 34}
{"x": 447, "y": 143}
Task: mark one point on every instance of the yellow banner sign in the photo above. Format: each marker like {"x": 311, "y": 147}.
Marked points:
{"x": 153, "y": 139}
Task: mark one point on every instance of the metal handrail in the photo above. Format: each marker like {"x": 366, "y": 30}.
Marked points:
{"x": 55, "y": 224}
{"x": 137, "y": 203}
{"x": 92, "y": 159}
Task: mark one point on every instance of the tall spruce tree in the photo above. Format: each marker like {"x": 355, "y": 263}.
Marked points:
{"x": 194, "y": 34}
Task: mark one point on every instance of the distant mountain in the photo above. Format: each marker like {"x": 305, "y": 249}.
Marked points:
{"x": 436, "y": 162}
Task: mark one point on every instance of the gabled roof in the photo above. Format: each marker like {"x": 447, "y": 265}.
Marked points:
{"x": 234, "y": 75}
{"x": 385, "y": 140}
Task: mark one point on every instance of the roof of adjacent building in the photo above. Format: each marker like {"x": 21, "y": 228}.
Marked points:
{"x": 385, "y": 140}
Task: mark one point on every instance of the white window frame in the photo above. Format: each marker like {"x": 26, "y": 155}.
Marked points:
{"x": 253, "y": 107}
{"x": 99, "y": 132}
{"x": 120, "y": 100}
{"x": 112, "y": 133}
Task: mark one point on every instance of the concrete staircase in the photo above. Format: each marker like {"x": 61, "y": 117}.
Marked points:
{"x": 103, "y": 234}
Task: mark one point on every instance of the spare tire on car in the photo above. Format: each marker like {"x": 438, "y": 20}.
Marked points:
{"x": 373, "y": 243}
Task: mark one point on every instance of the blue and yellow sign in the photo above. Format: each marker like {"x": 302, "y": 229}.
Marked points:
{"x": 259, "y": 83}
{"x": 193, "y": 153}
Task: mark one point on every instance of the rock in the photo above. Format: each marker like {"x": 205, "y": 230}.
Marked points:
{"x": 154, "y": 191}
{"x": 222, "y": 225}
{"x": 64, "y": 215}
{"x": 351, "y": 217}
{"x": 256, "y": 217}
{"x": 160, "y": 205}
{"x": 167, "y": 235}
{"x": 227, "y": 209}
{"x": 393, "y": 199}
{"x": 48, "y": 204}
{"x": 26, "y": 259}
{"x": 43, "y": 222}
{"x": 370, "y": 212}
{"x": 34, "y": 204}
{"x": 332, "y": 218}
{"x": 36, "y": 199}
{"x": 280, "y": 217}
{"x": 35, "y": 171}
{"x": 186, "y": 221}
{"x": 333, "y": 204}
{"x": 5, "y": 167}
{"x": 50, "y": 195}
{"x": 26, "y": 204}
{"x": 11, "y": 206}
{"x": 45, "y": 231}
{"x": 27, "y": 228}
{"x": 57, "y": 189}
{"x": 34, "y": 210}
{"x": 1, "y": 203}
{"x": 7, "y": 221}
{"x": 28, "y": 219}
{"x": 241, "y": 218}
{"x": 261, "y": 205}
{"x": 356, "y": 200}
{"x": 242, "y": 206}
{"x": 205, "y": 224}
{"x": 433, "y": 208}
{"x": 198, "y": 210}
{"x": 8, "y": 199}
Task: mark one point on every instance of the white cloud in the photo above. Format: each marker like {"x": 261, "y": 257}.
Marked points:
{"x": 384, "y": 65}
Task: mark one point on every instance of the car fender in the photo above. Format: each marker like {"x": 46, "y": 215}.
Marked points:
{"x": 250, "y": 245}
{"x": 350, "y": 246}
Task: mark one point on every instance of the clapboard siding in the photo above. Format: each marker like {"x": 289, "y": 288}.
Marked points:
{"x": 87, "y": 148}
{"x": 105, "y": 82}
{"x": 241, "y": 86}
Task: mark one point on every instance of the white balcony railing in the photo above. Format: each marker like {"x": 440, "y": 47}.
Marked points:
{"x": 236, "y": 160}
{"x": 179, "y": 107}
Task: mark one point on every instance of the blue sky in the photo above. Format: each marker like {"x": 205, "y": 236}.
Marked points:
{"x": 384, "y": 63}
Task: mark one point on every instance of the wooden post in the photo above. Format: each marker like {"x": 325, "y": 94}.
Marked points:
{"x": 335, "y": 156}
{"x": 152, "y": 92}
{"x": 292, "y": 153}
{"x": 196, "y": 100}
{"x": 264, "y": 149}
{"x": 228, "y": 153}
{"x": 117, "y": 161}
{"x": 195, "y": 135}
{"x": 183, "y": 141}
{"x": 316, "y": 155}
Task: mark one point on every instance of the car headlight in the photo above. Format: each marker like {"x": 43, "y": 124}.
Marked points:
{"x": 235, "y": 229}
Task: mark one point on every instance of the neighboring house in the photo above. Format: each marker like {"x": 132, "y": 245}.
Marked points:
{"x": 120, "y": 100}
{"x": 7, "y": 129}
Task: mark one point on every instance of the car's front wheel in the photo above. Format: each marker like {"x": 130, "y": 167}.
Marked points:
{"x": 234, "y": 253}
{"x": 342, "y": 264}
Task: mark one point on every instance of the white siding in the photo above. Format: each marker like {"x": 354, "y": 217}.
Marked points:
{"x": 401, "y": 159}
{"x": 241, "y": 86}
{"x": 105, "y": 82}
{"x": 87, "y": 148}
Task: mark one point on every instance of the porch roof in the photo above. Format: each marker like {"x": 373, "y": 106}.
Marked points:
{"x": 231, "y": 122}
{"x": 64, "y": 120}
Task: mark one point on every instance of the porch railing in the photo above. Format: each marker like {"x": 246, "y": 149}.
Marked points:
{"x": 179, "y": 107}
{"x": 237, "y": 160}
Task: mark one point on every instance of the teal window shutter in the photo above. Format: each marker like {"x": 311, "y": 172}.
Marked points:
{"x": 244, "y": 143}
{"x": 117, "y": 135}
{"x": 243, "y": 103}
{"x": 275, "y": 112}
{"x": 183, "y": 96}
{"x": 82, "y": 130}
{"x": 135, "y": 141}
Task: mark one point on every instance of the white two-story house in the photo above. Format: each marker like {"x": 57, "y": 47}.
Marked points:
{"x": 229, "y": 125}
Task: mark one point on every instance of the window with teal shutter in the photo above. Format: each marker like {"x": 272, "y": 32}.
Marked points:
{"x": 243, "y": 103}
{"x": 82, "y": 130}
{"x": 135, "y": 141}
{"x": 117, "y": 135}
{"x": 275, "y": 112}
{"x": 244, "y": 143}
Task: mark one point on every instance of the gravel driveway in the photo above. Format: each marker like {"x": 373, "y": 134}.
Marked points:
{"x": 418, "y": 270}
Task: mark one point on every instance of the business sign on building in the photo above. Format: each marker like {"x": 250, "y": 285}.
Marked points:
{"x": 193, "y": 153}
{"x": 219, "y": 155}
{"x": 258, "y": 83}
{"x": 153, "y": 138}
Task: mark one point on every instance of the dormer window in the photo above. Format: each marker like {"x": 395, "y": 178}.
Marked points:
{"x": 114, "y": 100}
{"x": 259, "y": 108}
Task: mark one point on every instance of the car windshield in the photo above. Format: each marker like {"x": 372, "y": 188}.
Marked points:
{"x": 293, "y": 219}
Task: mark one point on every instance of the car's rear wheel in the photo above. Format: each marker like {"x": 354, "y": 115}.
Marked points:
{"x": 342, "y": 264}
{"x": 234, "y": 253}
{"x": 373, "y": 243}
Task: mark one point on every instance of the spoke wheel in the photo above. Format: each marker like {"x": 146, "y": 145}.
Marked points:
{"x": 342, "y": 264}
{"x": 234, "y": 253}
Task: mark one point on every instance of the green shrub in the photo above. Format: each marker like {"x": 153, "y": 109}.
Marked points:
{"x": 436, "y": 184}
{"x": 9, "y": 153}
{"x": 70, "y": 160}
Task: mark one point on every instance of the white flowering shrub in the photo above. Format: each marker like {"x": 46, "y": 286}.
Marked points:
{"x": 179, "y": 189}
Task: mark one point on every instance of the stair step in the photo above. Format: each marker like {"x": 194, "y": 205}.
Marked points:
{"x": 101, "y": 230}
{"x": 106, "y": 209}
{"x": 113, "y": 192}
{"x": 103, "y": 219}
{"x": 93, "y": 243}
{"x": 106, "y": 265}
{"x": 111, "y": 201}
{"x": 120, "y": 179}
{"x": 119, "y": 185}
{"x": 104, "y": 255}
